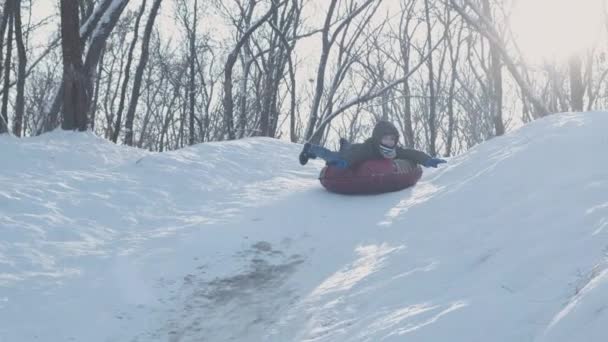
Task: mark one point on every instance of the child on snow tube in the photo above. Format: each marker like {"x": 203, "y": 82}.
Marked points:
{"x": 382, "y": 145}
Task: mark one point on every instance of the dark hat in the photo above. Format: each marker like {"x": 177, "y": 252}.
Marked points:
{"x": 383, "y": 128}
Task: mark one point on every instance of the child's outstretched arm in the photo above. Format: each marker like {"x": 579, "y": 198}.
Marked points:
{"x": 418, "y": 157}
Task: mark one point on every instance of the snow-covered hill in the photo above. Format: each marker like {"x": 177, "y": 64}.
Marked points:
{"x": 235, "y": 241}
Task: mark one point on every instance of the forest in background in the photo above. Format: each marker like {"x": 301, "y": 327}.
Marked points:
{"x": 164, "y": 74}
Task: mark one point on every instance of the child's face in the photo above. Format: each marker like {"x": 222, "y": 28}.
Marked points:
{"x": 389, "y": 140}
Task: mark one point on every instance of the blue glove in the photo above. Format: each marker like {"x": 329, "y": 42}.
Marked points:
{"x": 433, "y": 162}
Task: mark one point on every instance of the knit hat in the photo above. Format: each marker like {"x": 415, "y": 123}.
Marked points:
{"x": 382, "y": 129}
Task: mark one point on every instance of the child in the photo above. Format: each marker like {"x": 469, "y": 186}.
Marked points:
{"x": 382, "y": 144}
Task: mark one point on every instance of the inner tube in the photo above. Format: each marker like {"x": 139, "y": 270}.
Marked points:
{"x": 371, "y": 177}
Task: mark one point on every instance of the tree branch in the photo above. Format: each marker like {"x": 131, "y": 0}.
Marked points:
{"x": 371, "y": 94}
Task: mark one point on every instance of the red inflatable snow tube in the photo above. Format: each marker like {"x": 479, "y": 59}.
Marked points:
{"x": 371, "y": 177}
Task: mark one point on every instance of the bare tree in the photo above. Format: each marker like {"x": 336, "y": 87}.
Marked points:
{"x": 192, "y": 76}
{"x": 228, "y": 101}
{"x": 19, "y": 101}
{"x": 328, "y": 39}
{"x": 242, "y": 22}
{"x": 432, "y": 117}
{"x": 595, "y": 84}
{"x": 371, "y": 93}
{"x": 495, "y": 76}
{"x": 40, "y": 91}
{"x": 112, "y": 74}
{"x": 442, "y": 71}
{"x": 454, "y": 52}
{"x": 577, "y": 88}
{"x": 274, "y": 54}
{"x": 188, "y": 16}
{"x": 75, "y": 98}
{"x": 98, "y": 30}
{"x": 405, "y": 36}
{"x": 125, "y": 82}
{"x": 139, "y": 72}
{"x": 484, "y": 27}
{"x": 7, "y": 19}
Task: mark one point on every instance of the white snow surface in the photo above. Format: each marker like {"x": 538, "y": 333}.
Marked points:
{"x": 235, "y": 241}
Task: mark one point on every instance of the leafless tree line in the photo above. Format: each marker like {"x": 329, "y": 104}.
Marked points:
{"x": 163, "y": 74}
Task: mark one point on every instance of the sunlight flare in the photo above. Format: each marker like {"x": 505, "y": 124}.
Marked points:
{"x": 550, "y": 30}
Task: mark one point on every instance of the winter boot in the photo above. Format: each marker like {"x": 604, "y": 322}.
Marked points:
{"x": 306, "y": 154}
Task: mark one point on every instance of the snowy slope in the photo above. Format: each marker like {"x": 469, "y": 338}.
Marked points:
{"x": 235, "y": 241}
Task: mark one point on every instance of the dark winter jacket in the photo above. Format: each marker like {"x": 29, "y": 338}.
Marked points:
{"x": 368, "y": 150}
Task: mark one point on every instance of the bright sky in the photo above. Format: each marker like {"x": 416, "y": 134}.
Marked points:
{"x": 544, "y": 29}
{"x": 555, "y": 29}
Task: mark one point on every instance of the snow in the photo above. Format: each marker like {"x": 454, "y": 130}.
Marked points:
{"x": 235, "y": 241}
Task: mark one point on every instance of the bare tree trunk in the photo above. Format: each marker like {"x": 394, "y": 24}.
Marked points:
{"x": 454, "y": 58}
{"x": 496, "y": 66}
{"x": 495, "y": 78}
{"x": 94, "y": 18}
{"x": 100, "y": 35}
{"x": 208, "y": 87}
{"x": 266, "y": 102}
{"x": 292, "y": 75}
{"x": 151, "y": 96}
{"x": 408, "y": 129}
{"x": 7, "y": 67}
{"x": 432, "y": 99}
{"x": 19, "y": 101}
{"x": 384, "y": 100}
{"x": 230, "y": 61}
{"x": 577, "y": 89}
{"x": 170, "y": 113}
{"x": 112, "y": 91}
{"x": 139, "y": 73}
{"x": 100, "y": 32}
{"x": 52, "y": 118}
{"x": 243, "y": 98}
{"x": 289, "y": 20}
{"x": 320, "y": 81}
{"x": 247, "y": 61}
{"x": 95, "y": 101}
{"x": 125, "y": 83}
{"x": 279, "y": 53}
{"x": 98, "y": 42}
{"x": 267, "y": 93}
{"x": 75, "y": 97}
{"x": 405, "y": 43}
{"x": 99, "y": 23}
{"x": 168, "y": 118}
{"x": 292, "y": 109}
{"x": 182, "y": 119}
{"x": 86, "y": 8}
{"x": 6, "y": 14}
{"x": 191, "y": 84}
